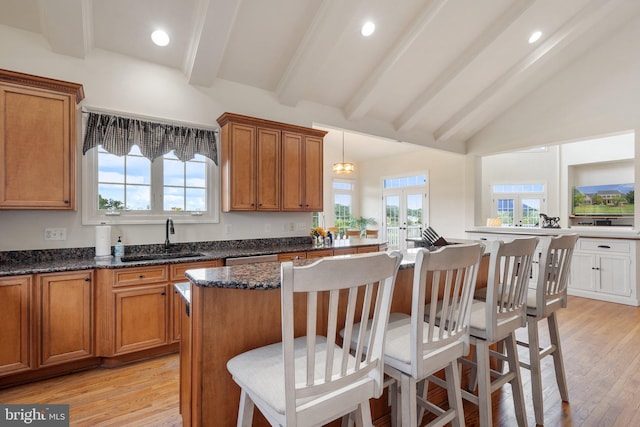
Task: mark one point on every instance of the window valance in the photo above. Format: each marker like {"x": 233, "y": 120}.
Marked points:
{"x": 118, "y": 134}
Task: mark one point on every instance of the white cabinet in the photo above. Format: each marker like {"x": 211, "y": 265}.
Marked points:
{"x": 604, "y": 269}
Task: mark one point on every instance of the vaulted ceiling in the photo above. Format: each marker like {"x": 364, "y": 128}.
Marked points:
{"x": 442, "y": 68}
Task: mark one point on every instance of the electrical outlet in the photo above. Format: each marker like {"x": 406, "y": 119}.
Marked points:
{"x": 301, "y": 226}
{"x": 267, "y": 228}
{"x": 55, "y": 234}
{"x": 292, "y": 226}
{"x": 227, "y": 228}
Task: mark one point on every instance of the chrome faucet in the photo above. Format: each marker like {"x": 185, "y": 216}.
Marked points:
{"x": 168, "y": 229}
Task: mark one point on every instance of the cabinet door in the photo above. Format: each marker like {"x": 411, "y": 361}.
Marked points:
{"x": 268, "y": 170}
{"x": 65, "y": 316}
{"x": 614, "y": 274}
{"x": 239, "y": 168}
{"x": 15, "y": 349}
{"x": 292, "y": 172}
{"x": 140, "y": 317}
{"x": 37, "y": 149}
{"x": 582, "y": 271}
{"x": 313, "y": 174}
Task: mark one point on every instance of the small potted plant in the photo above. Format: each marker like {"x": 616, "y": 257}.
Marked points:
{"x": 318, "y": 234}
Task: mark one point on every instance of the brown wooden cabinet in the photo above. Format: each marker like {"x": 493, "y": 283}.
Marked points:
{"x": 15, "y": 317}
{"x": 141, "y": 317}
{"x": 66, "y": 316}
{"x": 37, "y": 142}
{"x": 250, "y": 168}
{"x": 301, "y": 172}
{"x": 270, "y": 166}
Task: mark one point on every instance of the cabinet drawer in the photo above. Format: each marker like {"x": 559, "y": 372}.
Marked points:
{"x": 320, "y": 253}
{"x": 290, "y": 256}
{"x": 345, "y": 251}
{"x": 604, "y": 245}
{"x": 176, "y": 271}
{"x": 142, "y": 275}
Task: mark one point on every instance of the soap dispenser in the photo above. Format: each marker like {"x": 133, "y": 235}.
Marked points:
{"x": 119, "y": 249}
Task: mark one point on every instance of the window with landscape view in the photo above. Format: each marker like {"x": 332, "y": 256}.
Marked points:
{"x": 132, "y": 186}
{"x": 519, "y": 204}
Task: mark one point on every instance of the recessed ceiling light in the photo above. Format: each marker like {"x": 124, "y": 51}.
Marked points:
{"x": 368, "y": 28}
{"x": 160, "y": 38}
{"x": 535, "y": 36}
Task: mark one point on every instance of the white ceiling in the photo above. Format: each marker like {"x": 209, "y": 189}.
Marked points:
{"x": 442, "y": 68}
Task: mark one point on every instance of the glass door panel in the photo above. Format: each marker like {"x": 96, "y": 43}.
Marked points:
{"x": 404, "y": 217}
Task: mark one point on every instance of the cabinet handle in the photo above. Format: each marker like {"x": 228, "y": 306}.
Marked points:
{"x": 604, "y": 246}
{"x": 483, "y": 238}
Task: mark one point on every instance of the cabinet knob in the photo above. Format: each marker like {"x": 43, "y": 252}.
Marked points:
{"x": 87, "y": 279}
{"x": 66, "y": 202}
{"x": 141, "y": 276}
{"x": 163, "y": 294}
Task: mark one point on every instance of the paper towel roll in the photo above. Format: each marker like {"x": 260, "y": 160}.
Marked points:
{"x": 103, "y": 240}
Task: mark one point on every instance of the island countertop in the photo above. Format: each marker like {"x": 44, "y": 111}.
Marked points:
{"x": 264, "y": 275}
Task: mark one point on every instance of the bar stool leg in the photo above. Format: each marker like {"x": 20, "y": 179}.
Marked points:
{"x": 534, "y": 362}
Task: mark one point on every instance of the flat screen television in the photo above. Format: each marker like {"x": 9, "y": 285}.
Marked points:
{"x": 603, "y": 200}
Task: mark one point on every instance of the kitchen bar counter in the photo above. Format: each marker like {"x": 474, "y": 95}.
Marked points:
{"x": 224, "y": 317}
{"x": 264, "y": 275}
{"x": 50, "y": 261}
{"x": 591, "y": 232}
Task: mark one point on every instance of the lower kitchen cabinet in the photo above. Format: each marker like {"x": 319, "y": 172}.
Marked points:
{"x": 16, "y": 338}
{"x": 141, "y": 317}
{"x": 66, "y": 320}
{"x": 604, "y": 269}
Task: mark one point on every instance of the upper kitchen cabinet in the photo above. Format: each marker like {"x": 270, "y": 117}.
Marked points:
{"x": 37, "y": 142}
{"x": 270, "y": 166}
{"x": 301, "y": 172}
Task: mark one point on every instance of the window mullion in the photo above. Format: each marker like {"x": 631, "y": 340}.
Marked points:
{"x": 157, "y": 186}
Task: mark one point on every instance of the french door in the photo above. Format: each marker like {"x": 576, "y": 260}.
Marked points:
{"x": 404, "y": 215}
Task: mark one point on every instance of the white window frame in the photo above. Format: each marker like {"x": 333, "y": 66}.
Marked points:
{"x": 517, "y": 198}
{"x": 402, "y": 191}
{"x": 91, "y": 215}
{"x": 336, "y": 191}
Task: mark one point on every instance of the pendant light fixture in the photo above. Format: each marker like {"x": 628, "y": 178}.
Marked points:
{"x": 343, "y": 167}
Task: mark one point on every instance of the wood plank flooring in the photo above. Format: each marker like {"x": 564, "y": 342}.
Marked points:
{"x": 601, "y": 345}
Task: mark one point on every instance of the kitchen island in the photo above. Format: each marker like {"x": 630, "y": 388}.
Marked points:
{"x": 229, "y": 310}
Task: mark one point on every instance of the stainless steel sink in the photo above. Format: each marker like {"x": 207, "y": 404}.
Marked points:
{"x": 162, "y": 255}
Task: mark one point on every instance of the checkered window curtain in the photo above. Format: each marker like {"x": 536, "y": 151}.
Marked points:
{"x": 118, "y": 134}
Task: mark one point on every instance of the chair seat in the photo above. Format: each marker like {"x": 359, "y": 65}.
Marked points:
{"x": 261, "y": 371}
{"x": 397, "y": 350}
{"x": 552, "y": 305}
{"x": 478, "y": 322}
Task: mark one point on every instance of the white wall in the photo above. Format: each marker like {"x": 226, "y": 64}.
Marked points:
{"x": 447, "y": 175}
{"x": 520, "y": 168}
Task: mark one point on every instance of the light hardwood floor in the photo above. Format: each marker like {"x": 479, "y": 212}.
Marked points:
{"x": 601, "y": 344}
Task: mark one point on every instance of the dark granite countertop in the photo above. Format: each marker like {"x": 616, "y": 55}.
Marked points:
{"x": 49, "y": 261}
{"x": 266, "y": 275}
